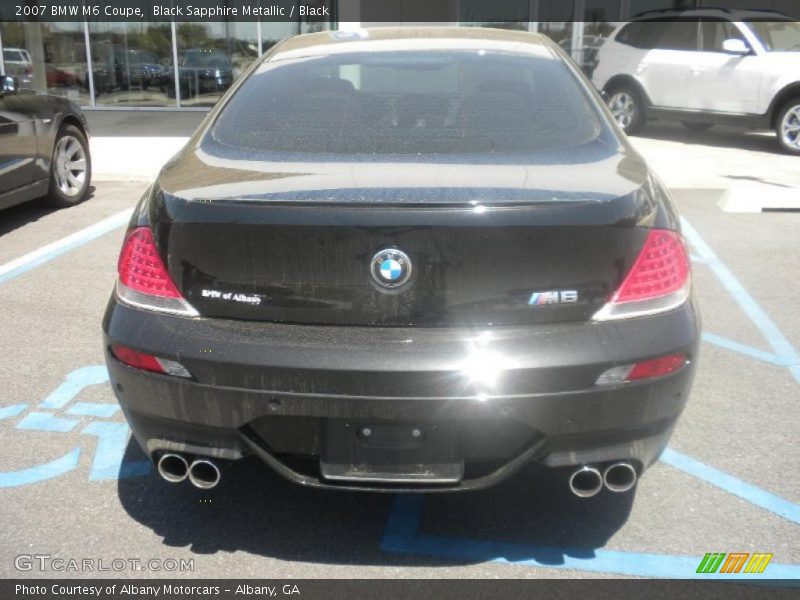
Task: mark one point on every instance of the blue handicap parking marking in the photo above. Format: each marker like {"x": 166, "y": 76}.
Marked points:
{"x": 402, "y": 532}
{"x": 43, "y": 255}
{"x": 781, "y": 346}
{"x": 729, "y": 483}
{"x": 112, "y": 439}
{"x": 108, "y": 460}
{"x": 402, "y": 535}
{"x": 76, "y": 381}
{"x": 7, "y": 412}
{"x": 41, "y": 472}
{"x": 93, "y": 409}
{"x": 45, "y": 421}
{"x": 768, "y": 357}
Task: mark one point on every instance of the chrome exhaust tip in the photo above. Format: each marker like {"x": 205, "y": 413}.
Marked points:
{"x": 586, "y": 482}
{"x": 620, "y": 477}
{"x": 173, "y": 468}
{"x": 204, "y": 474}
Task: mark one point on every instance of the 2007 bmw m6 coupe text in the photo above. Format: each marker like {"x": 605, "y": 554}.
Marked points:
{"x": 405, "y": 259}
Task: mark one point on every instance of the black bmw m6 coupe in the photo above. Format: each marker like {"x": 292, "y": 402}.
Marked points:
{"x": 405, "y": 259}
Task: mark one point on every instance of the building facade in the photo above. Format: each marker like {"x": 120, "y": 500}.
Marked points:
{"x": 187, "y": 66}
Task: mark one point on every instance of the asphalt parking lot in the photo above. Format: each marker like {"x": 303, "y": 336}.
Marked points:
{"x": 72, "y": 484}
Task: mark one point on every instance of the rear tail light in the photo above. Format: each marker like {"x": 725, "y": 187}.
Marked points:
{"x": 659, "y": 280}
{"x": 143, "y": 278}
{"x": 648, "y": 369}
{"x": 148, "y": 362}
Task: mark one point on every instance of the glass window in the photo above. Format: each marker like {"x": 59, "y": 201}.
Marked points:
{"x": 211, "y": 56}
{"x": 777, "y": 36}
{"x": 410, "y": 103}
{"x": 634, "y": 34}
{"x": 131, "y": 63}
{"x": 715, "y": 31}
{"x": 637, "y": 7}
{"x": 555, "y": 20}
{"x": 676, "y": 35}
{"x": 600, "y": 18}
{"x": 503, "y": 14}
{"x": 664, "y": 34}
{"x": 48, "y": 57}
{"x": 272, "y": 33}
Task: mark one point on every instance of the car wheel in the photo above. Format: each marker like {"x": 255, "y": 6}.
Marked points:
{"x": 787, "y": 126}
{"x": 697, "y": 126}
{"x": 70, "y": 168}
{"x": 628, "y": 108}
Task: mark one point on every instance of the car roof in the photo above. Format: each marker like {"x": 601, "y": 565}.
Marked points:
{"x": 413, "y": 38}
{"x": 732, "y": 14}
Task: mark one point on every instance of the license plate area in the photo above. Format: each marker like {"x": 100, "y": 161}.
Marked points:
{"x": 390, "y": 452}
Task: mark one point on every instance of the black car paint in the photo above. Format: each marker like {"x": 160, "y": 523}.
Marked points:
{"x": 547, "y": 236}
{"x": 266, "y": 382}
{"x": 29, "y": 122}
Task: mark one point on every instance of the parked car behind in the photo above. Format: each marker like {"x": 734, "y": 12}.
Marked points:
{"x": 705, "y": 67}
{"x": 18, "y": 63}
{"x": 201, "y": 71}
{"x": 44, "y": 147}
{"x": 410, "y": 259}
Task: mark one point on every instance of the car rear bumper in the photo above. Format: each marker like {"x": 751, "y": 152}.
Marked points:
{"x": 282, "y": 392}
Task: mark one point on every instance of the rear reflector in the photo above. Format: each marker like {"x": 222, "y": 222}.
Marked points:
{"x": 647, "y": 369}
{"x": 658, "y": 281}
{"x": 143, "y": 278}
{"x": 657, "y": 367}
{"x": 148, "y": 362}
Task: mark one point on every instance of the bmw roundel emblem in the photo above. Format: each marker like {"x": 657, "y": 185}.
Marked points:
{"x": 390, "y": 268}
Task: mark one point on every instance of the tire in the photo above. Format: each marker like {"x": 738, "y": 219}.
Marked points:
{"x": 627, "y": 105}
{"x": 70, "y": 168}
{"x": 787, "y": 126}
{"x": 697, "y": 126}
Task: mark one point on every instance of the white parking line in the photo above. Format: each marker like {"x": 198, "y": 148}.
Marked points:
{"x": 18, "y": 266}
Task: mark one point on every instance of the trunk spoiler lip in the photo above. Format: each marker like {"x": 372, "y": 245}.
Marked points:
{"x": 637, "y": 208}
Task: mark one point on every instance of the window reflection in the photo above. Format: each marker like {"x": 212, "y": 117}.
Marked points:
{"x": 47, "y": 57}
{"x": 272, "y": 33}
{"x": 211, "y": 56}
{"x": 130, "y": 62}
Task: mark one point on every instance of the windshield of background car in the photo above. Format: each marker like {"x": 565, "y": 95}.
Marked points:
{"x": 436, "y": 102}
{"x": 13, "y": 56}
{"x": 777, "y": 36}
{"x": 207, "y": 60}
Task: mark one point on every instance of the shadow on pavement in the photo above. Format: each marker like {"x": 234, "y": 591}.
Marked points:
{"x": 719, "y": 136}
{"x": 22, "y": 214}
{"x": 29, "y": 212}
{"x": 256, "y": 511}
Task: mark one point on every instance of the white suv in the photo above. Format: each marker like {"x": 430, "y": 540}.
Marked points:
{"x": 705, "y": 67}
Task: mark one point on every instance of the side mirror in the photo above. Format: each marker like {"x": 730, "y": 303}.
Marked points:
{"x": 8, "y": 84}
{"x": 736, "y": 46}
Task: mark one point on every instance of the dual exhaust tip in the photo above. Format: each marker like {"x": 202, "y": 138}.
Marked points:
{"x": 201, "y": 472}
{"x": 588, "y": 481}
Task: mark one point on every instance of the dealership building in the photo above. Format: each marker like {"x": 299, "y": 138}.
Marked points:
{"x": 168, "y": 65}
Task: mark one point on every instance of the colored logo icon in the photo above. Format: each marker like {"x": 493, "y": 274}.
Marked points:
{"x": 390, "y": 268}
{"x": 734, "y": 562}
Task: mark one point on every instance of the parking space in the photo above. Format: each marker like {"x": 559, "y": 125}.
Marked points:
{"x": 72, "y": 484}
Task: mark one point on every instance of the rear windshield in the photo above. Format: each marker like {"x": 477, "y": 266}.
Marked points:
{"x": 410, "y": 103}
